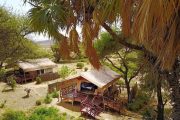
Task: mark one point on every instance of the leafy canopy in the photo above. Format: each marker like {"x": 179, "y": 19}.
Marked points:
{"x": 14, "y": 46}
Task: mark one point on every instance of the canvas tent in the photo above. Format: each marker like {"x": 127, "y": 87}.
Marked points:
{"x": 101, "y": 77}
{"x": 36, "y": 64}
{"x": 30, "y": 69}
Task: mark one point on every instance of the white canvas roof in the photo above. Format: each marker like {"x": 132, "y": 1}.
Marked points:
{"x": 100, "y": 77}
{"x": 36, "y": 64}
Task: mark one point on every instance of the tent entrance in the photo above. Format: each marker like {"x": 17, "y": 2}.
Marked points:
{"x": 88, "y": 87}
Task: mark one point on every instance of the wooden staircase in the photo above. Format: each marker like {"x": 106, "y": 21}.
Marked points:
{"x": 92, "y": 107}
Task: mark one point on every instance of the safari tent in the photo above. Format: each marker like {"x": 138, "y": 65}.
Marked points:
{"x": 30, "y": 69}
{"x": 92, "y": 82}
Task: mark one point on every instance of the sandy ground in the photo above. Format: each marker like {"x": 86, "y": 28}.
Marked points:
{"x": 16, "y": 100}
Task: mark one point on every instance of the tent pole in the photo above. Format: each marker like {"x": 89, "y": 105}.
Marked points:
{"x": 24, "y": 76}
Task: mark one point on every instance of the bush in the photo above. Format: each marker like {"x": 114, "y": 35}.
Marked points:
{"x": 38, "y": 80}
{"x": 85, "y": 69}
{"x": 141, "y": 99}
{"x": 38, "y": 102}
{"x": 64, "y": 72}
{"x": 44, "y": 113}
{"x": 47, "y": 99}
{"x": 55, "y": 94}
{"x": 2, "y": 74}
{"x": 14, "y": 115}
{"x": 80, "y": 65}
{"x": 11, "y": 82}
{"x": 149, "y": 113}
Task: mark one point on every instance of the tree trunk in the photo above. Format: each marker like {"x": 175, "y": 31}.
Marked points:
{"x": 1, "y": 65}
{"x": 174, "y": 84}
{"x": 160, "y": 106}
{"x": 128, "y": 89}
{"x": 173, "y": 79}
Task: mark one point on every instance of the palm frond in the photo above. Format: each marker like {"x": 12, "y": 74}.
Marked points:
{"x": 156, "y": 26}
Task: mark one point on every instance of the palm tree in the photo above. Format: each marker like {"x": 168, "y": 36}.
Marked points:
{"x": 149, "y": 26}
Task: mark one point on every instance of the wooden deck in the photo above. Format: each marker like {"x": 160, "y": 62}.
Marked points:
{"x": 112, "y": 104}
{"x": 91, "y": 105}
{"x": 22, "y": 79}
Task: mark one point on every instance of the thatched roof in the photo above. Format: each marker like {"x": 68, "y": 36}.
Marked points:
{"x": 36, "y": 64}
{"x": 100, "y": 77}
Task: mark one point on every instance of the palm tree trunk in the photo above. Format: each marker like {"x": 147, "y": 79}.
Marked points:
{"x": 174, "y": 83}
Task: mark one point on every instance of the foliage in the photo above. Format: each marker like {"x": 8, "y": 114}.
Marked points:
{"x": 120, "y": 82}
{"x": 56, "y": 53}
{"x": 44, "y": 113}
{"x": 11, "y": 82}
{"x": 2, "y": 74}
{"x": 14, "y": 45}
{"x": 48, "y": 99}
{"x": 55, "y": 94}
{"x": 80, "y": 65}
{"x": 85, "y": 69}
{"x": 64, "y": 71}
{"x": 149, "y": 113}
{"x": 141, "y": 99}
{"x": 106, "y": 45}
{"x": 38, "y": 102}
{"x": 120, "y": 59}
{"x": 39, "y": 113}
{"x": 14, "y": 115}
{"x": 38, "y": 80}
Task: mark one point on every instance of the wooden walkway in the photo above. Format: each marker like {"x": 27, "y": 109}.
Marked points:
{"x": 117, "y": 106}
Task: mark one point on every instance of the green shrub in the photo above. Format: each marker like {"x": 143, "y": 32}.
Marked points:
{"x": 85, "y": 69}
{"x": 80, "y": 65}
{"x": 64, "y": 71}
{"x": 149, "y": 113}
{"x": 14, "y": 115}
{"x": 11, "y": 82}
{"x": 55, "y": 94}
{"x": 44, "y": 113}
{"x": 47, "y": 99}
{"x": 38, "y": 102}
{"x": 2, "y": 74}
{"x": 38, "y": 80}
{"x": 141, "y": 99}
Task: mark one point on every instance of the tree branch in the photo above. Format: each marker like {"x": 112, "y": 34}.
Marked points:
{"x": 33, "y": 4}
{"x": 123, "y": 61}
{"x": 135, "y": 74}
{"x": 121, "y": 40}
{"x": 114, "y": 65}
